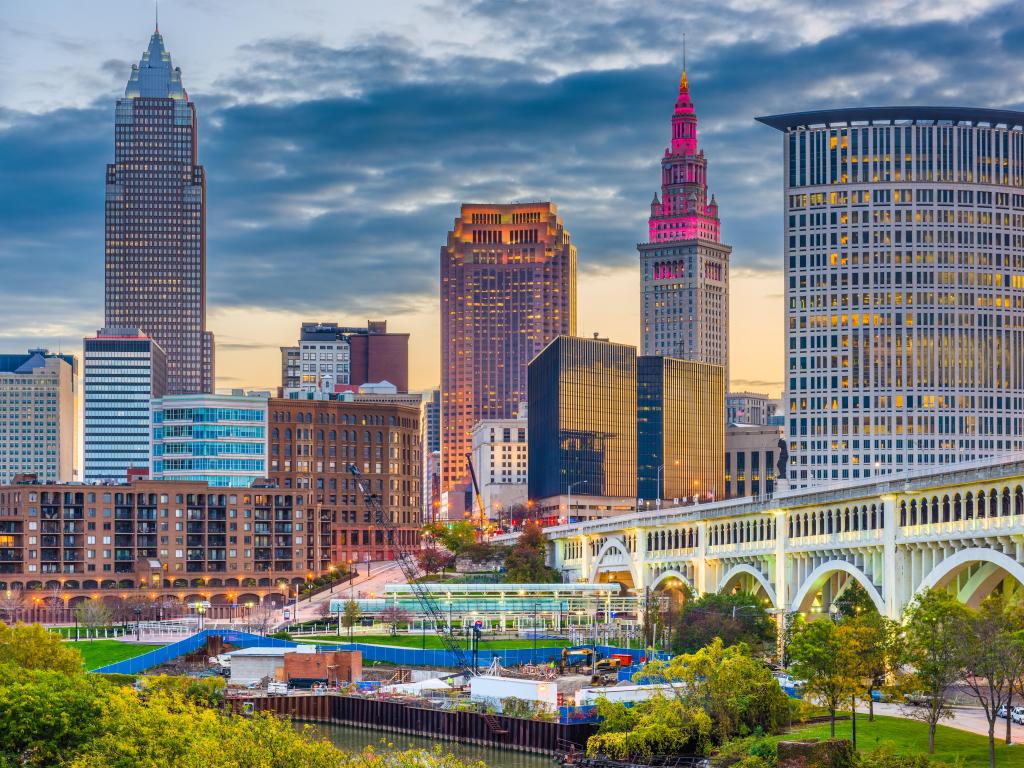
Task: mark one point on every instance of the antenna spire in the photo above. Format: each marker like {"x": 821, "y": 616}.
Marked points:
{"x": 684, "y": 84}
{"x": 156, "y": 11}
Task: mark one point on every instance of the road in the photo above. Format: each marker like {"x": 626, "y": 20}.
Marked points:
{"x": 970, "y": 719}
{"x": 362, "y": 586}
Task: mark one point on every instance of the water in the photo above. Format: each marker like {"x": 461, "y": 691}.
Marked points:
{"x": 354, "y": 739}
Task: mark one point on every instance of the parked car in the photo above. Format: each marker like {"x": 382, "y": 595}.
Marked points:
{"x": 1002, "y": 712}
{"x": 879, "y": 696}
{"x": 1017, "y": 715}
{"x": 918, "y": 699}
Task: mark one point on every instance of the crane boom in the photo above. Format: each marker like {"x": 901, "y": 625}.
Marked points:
{"x": 479, "y": 498}
{"x": 407, "y": 562}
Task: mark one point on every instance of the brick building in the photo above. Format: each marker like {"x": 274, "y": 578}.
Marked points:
{"x": 152, "y": 537}
{"x": 312, "y": 442}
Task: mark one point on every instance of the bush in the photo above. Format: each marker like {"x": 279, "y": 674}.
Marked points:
{"x": 281, "y": 635}
{"x": 887, "y": 757}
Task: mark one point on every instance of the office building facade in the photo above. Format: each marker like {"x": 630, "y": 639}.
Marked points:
{"x": 680, "y": 431}
{"x": 218, "y": 439}
{"x": 500, "y": 460}
{"x": 329, "y": 358}
{"x": 38, "y": 416}
{"x": 684, "y": 266}
{"x": 508, "y": 287}
{"x": 155, "y": 222}
{"x": 904, "y": 235}
{"x": 582, "y": 428}
{"x": 751, "y": 408}
{"x": 123, "y": 370}
{"x": 752, "y": 453}
{"x": 312, "y": 443}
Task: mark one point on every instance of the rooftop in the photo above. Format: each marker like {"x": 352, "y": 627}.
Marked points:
{"x": 888, "y": 115}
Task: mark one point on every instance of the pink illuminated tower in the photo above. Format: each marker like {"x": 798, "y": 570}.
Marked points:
{"x": 685, "y": 266}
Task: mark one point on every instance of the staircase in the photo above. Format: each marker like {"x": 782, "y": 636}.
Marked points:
{"x": 494, "y": 725}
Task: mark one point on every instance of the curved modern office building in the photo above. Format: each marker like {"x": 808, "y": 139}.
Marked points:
{"x": 904, "y": 263}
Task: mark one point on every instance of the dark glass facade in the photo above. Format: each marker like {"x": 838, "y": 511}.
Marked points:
{"x": 155, "y": 222}
{"x": 582, "y": 419}
{"x": 680, "y": 428}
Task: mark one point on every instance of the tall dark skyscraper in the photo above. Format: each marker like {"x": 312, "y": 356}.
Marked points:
{"x": 508, "y": 287}
{"x": 156, "y": 222}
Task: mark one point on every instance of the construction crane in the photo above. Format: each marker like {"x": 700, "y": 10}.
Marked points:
{"x": 407, "y": 562}
{"x": 479, "y": 498}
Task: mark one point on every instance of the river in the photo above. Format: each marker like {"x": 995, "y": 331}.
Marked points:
{"x": 354, "y": 739}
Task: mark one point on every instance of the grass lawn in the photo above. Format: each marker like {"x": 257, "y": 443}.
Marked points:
{"x": 99, "y": 653}
{"x": 911, "y": 737}
{"x": 433, "y": 642}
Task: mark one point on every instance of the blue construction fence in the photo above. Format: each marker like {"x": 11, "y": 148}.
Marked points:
{"x": 189, "y": 645}
{"x": 406, "y": 657}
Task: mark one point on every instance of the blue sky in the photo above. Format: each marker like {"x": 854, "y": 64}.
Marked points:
{"x": 340, "y": 137}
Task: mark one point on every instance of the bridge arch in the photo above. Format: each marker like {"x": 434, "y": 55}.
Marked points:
{"x": 820, "y": 575}
{"x": 994, "y": 567}
{"x": 614, "y": 546}
{"x": 744, "y": 569}
{"x": 673, "y": 574}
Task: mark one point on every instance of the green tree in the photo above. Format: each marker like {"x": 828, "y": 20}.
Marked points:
{"x": 526, "y": 562}
{"x": 935, "y": 643}
{"x": 454, "y": 536}
{"x": 350, "y": 616}
{"x": 46, "y": 714}
{"x": 29, "y": 646}
{"x": 659, "y": 725}
{"x": 854, "y": 601}
{"x": 737, "y": 617}
{"x": 736, "y": 690}
{"x": 819, "y": 656}
{"x": 94, "y": 614}
{"x": 993, "y": 661}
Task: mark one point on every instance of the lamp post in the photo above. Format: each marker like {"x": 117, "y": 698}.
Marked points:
{"x": 138, "y": 630}
{"x": 661, "y": 482}
{"x": 568, "y": 505}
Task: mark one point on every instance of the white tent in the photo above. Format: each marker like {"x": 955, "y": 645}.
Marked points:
{"x": 433, "y": 684}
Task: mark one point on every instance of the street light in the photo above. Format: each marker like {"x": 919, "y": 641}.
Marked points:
{"x": 568, "y": 506}
{"x": 138, "y": 615}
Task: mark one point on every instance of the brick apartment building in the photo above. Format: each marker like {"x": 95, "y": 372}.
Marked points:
{"x": 312, "y": 442}
{"x": 153, "y": 537}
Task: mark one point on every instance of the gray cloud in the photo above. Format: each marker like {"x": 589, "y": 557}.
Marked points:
{"x": 334, "y": 173}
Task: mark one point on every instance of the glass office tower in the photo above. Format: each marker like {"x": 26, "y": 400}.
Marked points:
{"x": 582, "y": 420}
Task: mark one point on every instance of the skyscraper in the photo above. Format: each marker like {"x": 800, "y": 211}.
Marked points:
{"x": 155, "y": 277}
{"x": 904, "y": 259}
{"x": 38, "y": 416}
{"x": 684, "y": 265}
{"x": 680, "y": 428}
{"x": 582, "y": 429}
{"x": 508, "y": 287}
{"x": 124, "y": 371}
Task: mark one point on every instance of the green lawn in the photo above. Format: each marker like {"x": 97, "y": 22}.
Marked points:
{"x": 432, "y": 641}
{"x": 99, "y": 653}
{"x": 911, "y": 736}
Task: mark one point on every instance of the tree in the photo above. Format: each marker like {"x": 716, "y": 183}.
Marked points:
{"x": 854, "y": 601}
{"x": 454, "y": 536}
{"x": 876, "y": 642}
{"x": 820, "y": 657}
{"x": 12, "y": 602}
{"x": 735, "y": 689}
{"x": 29, "y": 646}
{"x": 659, "y": 725}
{"x": 993, "y": 662}
{"x": 94, "y": 614}
{"x": 393, "y": 615}
{"x": 350, "y": 616}
{"x": 323, "y": 609}
{"x": 936, "y": 628}
{"x": 735, "y": 618}
{"x": 433, "y": 559}
{"x": 526, "y": 563}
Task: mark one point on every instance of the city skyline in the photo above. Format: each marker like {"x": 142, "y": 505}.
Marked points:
{"x": 238, "y": 85}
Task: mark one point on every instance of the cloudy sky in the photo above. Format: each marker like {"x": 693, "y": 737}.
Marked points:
{"x": 339, "y": 138}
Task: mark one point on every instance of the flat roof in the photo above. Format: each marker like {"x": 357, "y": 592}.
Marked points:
{"x": 888, "y": 115}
